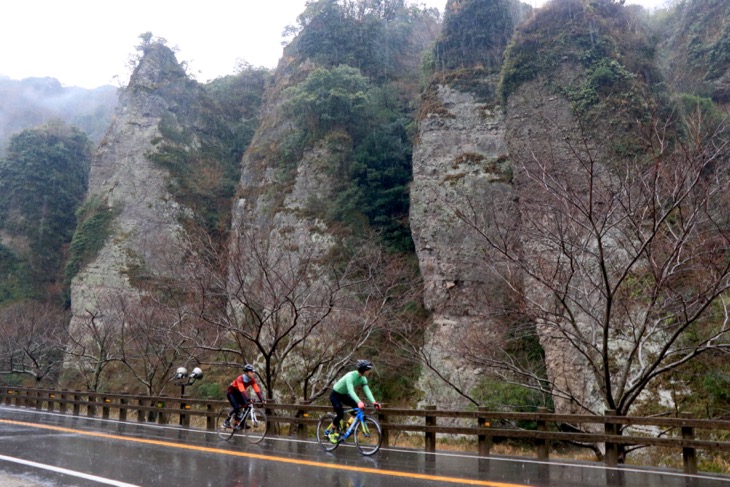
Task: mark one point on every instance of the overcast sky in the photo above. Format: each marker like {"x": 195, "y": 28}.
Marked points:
{"x": 88, "y": 43}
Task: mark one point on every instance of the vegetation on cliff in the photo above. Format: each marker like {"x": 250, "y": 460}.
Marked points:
{"x": 695, "y": 48}
{"x": 43, "y": 179}
{"x": 204, "y": 130}
{"x": 475, "y": 33}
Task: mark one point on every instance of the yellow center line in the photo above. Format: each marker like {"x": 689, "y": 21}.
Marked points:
{"x": 182, "y": 446}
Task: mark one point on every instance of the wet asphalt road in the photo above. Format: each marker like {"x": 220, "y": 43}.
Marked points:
{"x": 41, "y": 449}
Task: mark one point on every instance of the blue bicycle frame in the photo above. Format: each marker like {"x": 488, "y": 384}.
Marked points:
{"x": 360, "y": 418}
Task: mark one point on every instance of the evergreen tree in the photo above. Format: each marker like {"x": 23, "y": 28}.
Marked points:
{"x": 43, "y": 179}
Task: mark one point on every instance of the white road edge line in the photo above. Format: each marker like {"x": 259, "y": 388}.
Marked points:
{"x": 65, "y": 471}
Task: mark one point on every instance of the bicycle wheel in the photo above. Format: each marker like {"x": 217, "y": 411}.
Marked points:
{"x": 225, "y": 432}
{"x": 368, "y": 436}
{"x": 256, "y": 425}
{"x": 323, "y": 432}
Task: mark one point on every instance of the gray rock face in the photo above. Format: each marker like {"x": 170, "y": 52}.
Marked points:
{"x": 537, "y": 121}
{"x": 284, "y": 200}
{"x": 459, "y": 164}
{"x": 122, "y": 177}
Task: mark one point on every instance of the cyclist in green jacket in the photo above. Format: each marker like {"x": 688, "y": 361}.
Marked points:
{"x": 343, "y": 392}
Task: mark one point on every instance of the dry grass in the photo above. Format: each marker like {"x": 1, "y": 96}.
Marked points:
{"x": 669, "y": 458}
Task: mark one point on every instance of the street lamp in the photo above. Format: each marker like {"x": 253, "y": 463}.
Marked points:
{"x": 182, "y": 379}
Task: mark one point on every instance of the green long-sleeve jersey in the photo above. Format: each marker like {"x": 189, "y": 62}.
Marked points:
{"x": 348, "y": 382}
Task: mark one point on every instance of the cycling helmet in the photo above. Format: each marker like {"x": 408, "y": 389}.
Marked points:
{"x": 248, "y": 368}
{"x": 363, "y": 365}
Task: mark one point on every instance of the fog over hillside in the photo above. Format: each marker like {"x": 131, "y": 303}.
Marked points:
{"x": 32, "y": 101}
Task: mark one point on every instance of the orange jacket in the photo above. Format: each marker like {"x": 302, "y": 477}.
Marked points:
{"x": 242, "y": 382}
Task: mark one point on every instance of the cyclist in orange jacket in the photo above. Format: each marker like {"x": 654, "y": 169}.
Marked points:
{"x": 236, "y": 392}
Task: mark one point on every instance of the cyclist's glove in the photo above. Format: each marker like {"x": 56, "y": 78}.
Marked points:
{"x": 377, "y": 405}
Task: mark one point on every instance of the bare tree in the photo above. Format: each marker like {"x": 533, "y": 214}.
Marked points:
{"x": 30, "y": 340}
{"x": 148, "y": 340}
{"x": 90, "y": 348}
{"x": 299, "y": 313}
{"x": 383, "y": 290}
{"x": 621, "y": 266}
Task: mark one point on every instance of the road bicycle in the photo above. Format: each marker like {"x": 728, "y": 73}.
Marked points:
{"x": 251, "y": 421}
{"x": 365, "y": 430}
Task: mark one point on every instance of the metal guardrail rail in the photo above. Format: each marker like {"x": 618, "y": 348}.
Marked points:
{"x": 679, "y": 433}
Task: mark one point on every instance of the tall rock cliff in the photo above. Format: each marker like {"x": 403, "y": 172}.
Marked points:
{"x": 327, "y": 169}
{"x": 461, "y": 164}
{"x": 140, "y": 190}
{"x": 574, "y": 85}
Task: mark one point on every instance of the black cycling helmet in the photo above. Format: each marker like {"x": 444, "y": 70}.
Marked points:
{"x": 363, "y": 365}
{"x": 248, "y": 368}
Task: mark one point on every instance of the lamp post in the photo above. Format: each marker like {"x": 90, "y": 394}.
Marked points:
{"x": 182, "y": 379}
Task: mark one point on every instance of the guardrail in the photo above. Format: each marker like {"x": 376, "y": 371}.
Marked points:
{"x": 677, "y": 433}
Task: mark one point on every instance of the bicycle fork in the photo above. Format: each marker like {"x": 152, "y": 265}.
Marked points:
{"x": 252, "y": 416}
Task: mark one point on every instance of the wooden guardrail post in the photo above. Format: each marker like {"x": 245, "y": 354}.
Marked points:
{"x": 209, "y": 417}
{"x": 37, "y": 399}
{"x": 430, "y": 435}
{"x": 183, "y": 419}
{"x": 77, "y": 406}
{"x": 105, "y": 407}
{"x": 122, "y": 409}
{"x": 50, "y": 407}
{"x": 382, "y": 418}
{"x": 689, "y": 454}
{"x": 611, "y": 458}
{"x": 62, "y": 404}
{"x": 6, "y": 395}
{"x": 91, "y": 406}
{"x": 300, "y": 426}
{"x": 273, "y": 426}
{"x": 484, "y": 442}
{"x": 543, "y": 446}
{"x": 161, "y": 415}
{"x": 140, "y": 412}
